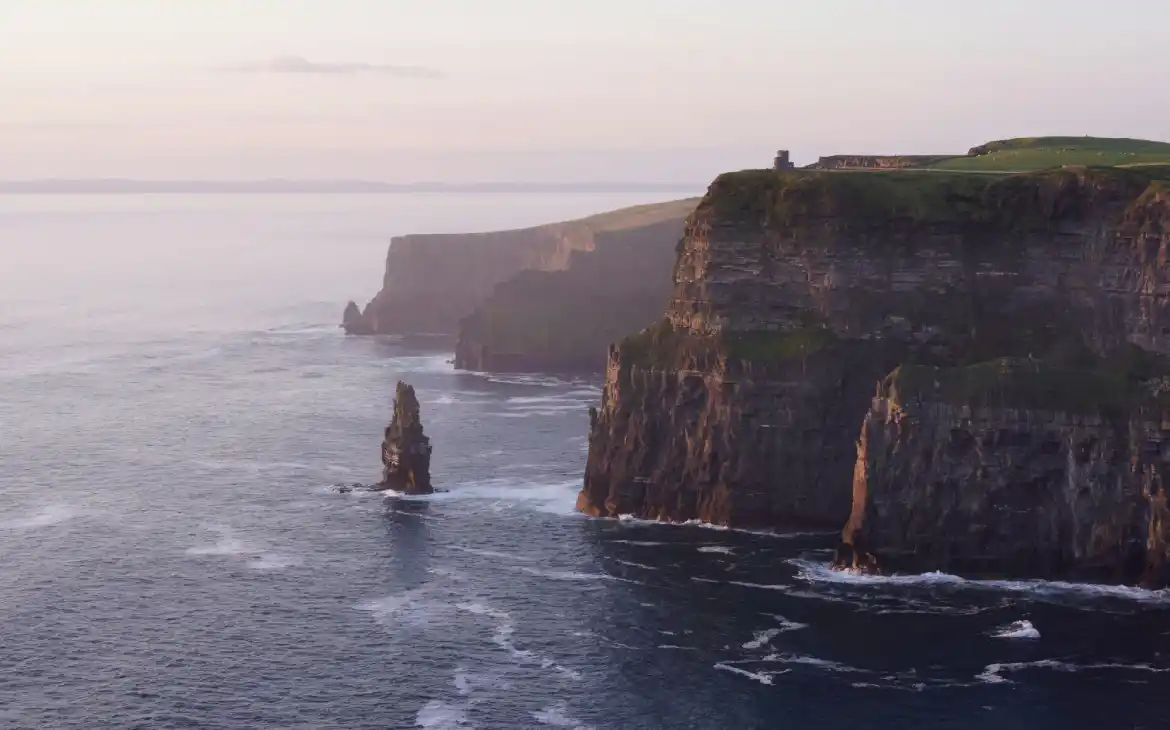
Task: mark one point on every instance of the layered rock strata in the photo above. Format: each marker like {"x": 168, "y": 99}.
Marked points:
{"x": 563, "y": 321}
{"x": 794, "y": 292}
{"x": 432, "y": 281}
{"x": 1013, "y": 468}
{"x": 406, "y": 450}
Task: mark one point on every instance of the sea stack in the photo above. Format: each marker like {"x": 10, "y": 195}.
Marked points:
{"x": 406, "y": 450}
{"x": 353, "y": 322}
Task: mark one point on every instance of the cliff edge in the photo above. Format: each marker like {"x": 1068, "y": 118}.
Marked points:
{"x": 795, "y": 292}
{"x": 432, "y": 281}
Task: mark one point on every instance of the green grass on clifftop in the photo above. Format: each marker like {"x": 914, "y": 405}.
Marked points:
{"x": 786, "y": 199}
{"x": 663, "y": 346}
{"x": 1039, "y": 153}
{"x": 884, "y": 205}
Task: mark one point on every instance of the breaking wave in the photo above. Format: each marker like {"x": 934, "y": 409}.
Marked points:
{"x": 1017, "y": 630}
{"x": 814, "y": 572}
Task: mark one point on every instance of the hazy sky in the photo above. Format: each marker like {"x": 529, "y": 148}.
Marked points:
{"x": 404, "y": 90}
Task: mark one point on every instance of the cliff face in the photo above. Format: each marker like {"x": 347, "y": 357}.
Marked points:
{"x": 1012, "y": 467}
{"x": 433, "y": 281}
{"x": 550, "y": 321}
{"x": 795, "y": 292}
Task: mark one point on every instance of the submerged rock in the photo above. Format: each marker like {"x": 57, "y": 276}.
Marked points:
{"x": 406, "y": 450}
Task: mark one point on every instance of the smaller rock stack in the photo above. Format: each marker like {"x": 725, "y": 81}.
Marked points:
{"x": 353, "y": 322}
{"x": 406, "y": 450}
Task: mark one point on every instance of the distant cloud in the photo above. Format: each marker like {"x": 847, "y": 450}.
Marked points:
{"x": 299, "y": 65}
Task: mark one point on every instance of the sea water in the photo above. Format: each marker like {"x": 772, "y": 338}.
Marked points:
{"x": 178, "y": 408}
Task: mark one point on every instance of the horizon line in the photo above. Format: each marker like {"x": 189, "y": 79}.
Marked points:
{"x": 138, "y": 185}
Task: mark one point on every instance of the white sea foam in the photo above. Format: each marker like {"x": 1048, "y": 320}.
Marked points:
{"x": 537, "y": 380}
{"x": 1017, "y": 630}
{"x": 825, "y": 573}
{"x": 224, "y": 546}
{"x": 274, "y": 561}
{"x": 419, "y": 364}
{"x": 993, "y": 673}
{"x": 491, "y": 553}
{"x": 785, "y": 624}
{"x": 639, "y": 543}
{"x": 503, "y": 634}
{"x": 762, "y": 638}
{"x": 558, "y": 498}
{"x": 415, "y": 608}
{"x": 557, "y": 715}
{"x": 745, "y": 584}
{"x": 632, "y": 564}
{"x": 763, "y": 586}
{"x": 47, "y": 516}
{"x": 436, "y": 715}
{"x": 531, "y": 400}
{"x": 570, "y": 575}
{"x": 761, "y": 677}
{"x": 633, "y": 519}
{"x": 716, "y": 549}
{"x": 811, "y": 661}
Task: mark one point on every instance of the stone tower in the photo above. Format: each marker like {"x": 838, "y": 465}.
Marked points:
{"x": 782, "y": 162}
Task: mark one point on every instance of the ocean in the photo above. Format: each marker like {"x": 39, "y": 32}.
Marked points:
{"x": 178, "y": 410}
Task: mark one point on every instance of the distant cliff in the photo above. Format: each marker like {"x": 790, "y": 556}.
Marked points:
{"x": 795, "y": 292}
{"x": 432, "y": 281}
{"x": 550, "y": 321}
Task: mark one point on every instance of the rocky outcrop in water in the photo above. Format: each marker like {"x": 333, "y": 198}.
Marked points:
{"x": 563, "y": 321}
{"x": 796, "y": 291}
{"x": 431, "y": 282}
{"x": 406, "y": 450}
{"x": 352, "y": 321}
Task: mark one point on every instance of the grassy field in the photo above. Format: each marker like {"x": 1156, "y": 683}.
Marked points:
{"x": 1039, "y": 153}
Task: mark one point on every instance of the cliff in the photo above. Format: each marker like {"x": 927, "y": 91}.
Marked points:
{"x": 563, "y": 321}
{"x": 433, "y": 281}
{"x": 796, "y": 291}
{"x": 1013, "y": 468}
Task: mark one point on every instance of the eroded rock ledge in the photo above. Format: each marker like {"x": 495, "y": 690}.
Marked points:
{"x": 796, "y": 291}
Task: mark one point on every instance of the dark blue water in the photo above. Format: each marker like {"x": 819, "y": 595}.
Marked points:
{"x": 176, "y": 408}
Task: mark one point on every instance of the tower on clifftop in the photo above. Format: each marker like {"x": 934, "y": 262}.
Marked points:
{"x": 782, "y": 162}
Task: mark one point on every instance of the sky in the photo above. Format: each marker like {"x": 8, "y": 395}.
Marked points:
{"x": 555, "y": 90}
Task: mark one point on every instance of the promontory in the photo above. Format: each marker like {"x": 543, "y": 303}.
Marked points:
{"x": 967, "y": 369}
